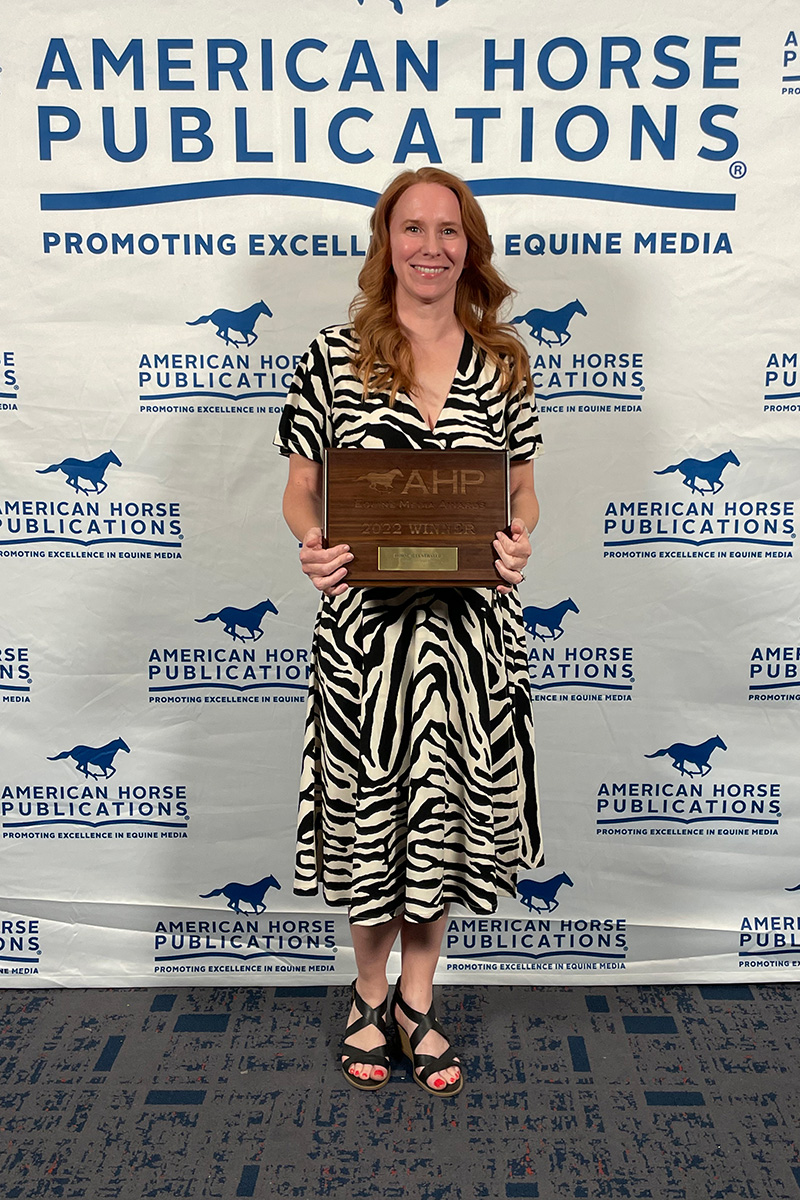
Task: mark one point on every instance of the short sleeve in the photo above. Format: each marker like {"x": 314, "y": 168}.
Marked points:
{"x": 305, "y": 425}
{"x": 523, "y": 438}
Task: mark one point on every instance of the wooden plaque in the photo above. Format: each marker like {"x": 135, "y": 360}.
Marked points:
{"x": 423, "y": 517}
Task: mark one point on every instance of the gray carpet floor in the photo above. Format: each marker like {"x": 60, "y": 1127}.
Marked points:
{"x": 668, "y": 1093}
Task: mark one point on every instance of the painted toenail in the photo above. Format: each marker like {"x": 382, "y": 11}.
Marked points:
{"x": 379, "y": 1074}
{"x": 439, "y": 1083}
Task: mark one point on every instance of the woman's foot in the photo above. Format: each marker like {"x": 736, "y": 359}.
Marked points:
{"x": 433, "y": 1043}
{"x": 370, "y": 1037}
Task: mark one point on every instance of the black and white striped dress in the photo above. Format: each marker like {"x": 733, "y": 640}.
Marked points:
{"x": 418, "y": 784}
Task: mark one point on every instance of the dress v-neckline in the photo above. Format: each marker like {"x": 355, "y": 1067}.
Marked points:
{"x": 461, "y": 367}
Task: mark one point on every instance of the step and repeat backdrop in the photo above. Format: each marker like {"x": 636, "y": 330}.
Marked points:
{"x": 185, "y": 203}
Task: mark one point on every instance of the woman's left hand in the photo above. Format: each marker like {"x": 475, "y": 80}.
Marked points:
{"x": 513, "y": 553}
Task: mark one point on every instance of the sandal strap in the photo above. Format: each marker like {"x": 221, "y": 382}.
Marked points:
{"x": 428, "y": 1064}
{"x": 376, "y": 1017}
{"x": 425, "y": 1021}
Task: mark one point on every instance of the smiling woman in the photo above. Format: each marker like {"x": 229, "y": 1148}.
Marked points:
{"x": 418, "y": 784}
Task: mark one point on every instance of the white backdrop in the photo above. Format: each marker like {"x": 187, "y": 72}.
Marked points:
{"x": 163, "y": 162}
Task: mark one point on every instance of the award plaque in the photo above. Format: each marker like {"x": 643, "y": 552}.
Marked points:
{"x": 424, "y": 517}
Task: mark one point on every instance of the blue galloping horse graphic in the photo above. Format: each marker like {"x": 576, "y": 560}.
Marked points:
{"x": 241, "y": 322}
{"x": 545, "y": 891}
{"x": 92, "y": 471}
{"x": 685, "y": 757}
{"x": 397, "y": 5}
{"x": 547, "y": 619}
{"x": 246, "y": 893}
{"x": 710, "y": 472}
{"x": 243, "y": 618}
{"x": 557, "y": 322}
{"x": 101, "y": 757}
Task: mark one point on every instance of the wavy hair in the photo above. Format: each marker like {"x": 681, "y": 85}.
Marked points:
{"x": 384, "y": 359}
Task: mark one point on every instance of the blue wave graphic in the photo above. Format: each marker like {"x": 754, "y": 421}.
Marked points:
{"x": 13, "y": 959}
{"x": 701, "y": 542}
{"x": 216, "y": 396}
{"x": 576, "y": 683}
{"x": 95, "y": 824}
{"x": 243, "y": 957}
{"x": 231, "y": 687}
{"x": 597, "y": 395}
{"x": 782, "y": 395}
{"x": 172, "y": 193}
{"x": 528, "y": 954}
{"x": 314, "y": 189}
{"x": 94, "y": 542}
{"x": 656, "y": 819}
{"x": 773, "y": 687}
{"x": 7, "y": 687}
{"x": 784, "y": 953}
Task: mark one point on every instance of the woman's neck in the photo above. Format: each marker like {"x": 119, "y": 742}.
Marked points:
{"x": 427, "y": 324}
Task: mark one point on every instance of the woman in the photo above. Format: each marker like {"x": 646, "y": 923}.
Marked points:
{"x": 418, "y": 784}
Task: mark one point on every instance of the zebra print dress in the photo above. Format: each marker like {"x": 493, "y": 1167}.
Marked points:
{"x": 418, "y": 780}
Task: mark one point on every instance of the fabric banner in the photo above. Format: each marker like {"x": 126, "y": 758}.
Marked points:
{"x": 185, "y": 203}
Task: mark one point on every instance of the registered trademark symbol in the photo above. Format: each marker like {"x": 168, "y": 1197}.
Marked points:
{"x": 16, "y": 387}
{"x": 738, "y": 169}
{"x": 180, "y": 535}
{"x": 641, "y": 389}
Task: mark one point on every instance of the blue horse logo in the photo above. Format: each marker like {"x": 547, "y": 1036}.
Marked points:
{"x": 92, "y": 471}
{"x": 241, "y": 322}
{"x": 397, "y": 5}
{"x": 545, "y": 623}
{"x": 685, "y": 757}
{"x": 248, "y": 619}
{"x": 245, "y": 893}
{"x": 545, "y": 891}
{"x": 556, "y": 322}
{"x": 87, "y": 757}
{"x": 710, "y": 472}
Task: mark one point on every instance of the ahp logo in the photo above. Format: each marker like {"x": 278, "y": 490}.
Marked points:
{"x": 704, "y": 478}
{"x": 15, "y": 674}
{"x": 537, "y": 944}
{"x": 775, "y": 673}
{"x": 93, "y": 808}
{"x": 760, "y": 528}
{"x": 781, "y": 391}
{"x": 228, "y": 673}
{"x": 9, "y": 387}
{"x": 20, "y": 946}
{"x": 612, "y": 380}
{"x": 690, "y": 805}
{"x": 770, "y": 941}
{"x": 233, "y": 379}
{"x": 541, "y": 321}
{"x": 92, "y": 472}
{"x": 790, "y": 78}
{"x": 246, "y": 942}
{"x": 93, "y": 522}
{"x": 397, "y": 5}
{"x": 95, "y": 762}
{"x": 243, "y": 322}
{"x": 691, "y": 760}
{"x": 574, "y": 672}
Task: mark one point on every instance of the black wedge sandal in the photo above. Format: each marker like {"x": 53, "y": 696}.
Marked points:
{"x": 429, "y": 1064}
{"x": 373, "y": 1058}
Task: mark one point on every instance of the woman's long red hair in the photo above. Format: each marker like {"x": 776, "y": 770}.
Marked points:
{"x": 384, "y": 360}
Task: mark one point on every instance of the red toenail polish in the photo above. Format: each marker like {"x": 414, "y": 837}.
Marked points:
{"x": 379, "y": 1074}
{"x": 439, "y": 1083}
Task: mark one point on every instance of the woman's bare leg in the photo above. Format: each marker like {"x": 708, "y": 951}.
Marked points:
{"x": 421, "y": 947}
{"x": 372, "y": 944}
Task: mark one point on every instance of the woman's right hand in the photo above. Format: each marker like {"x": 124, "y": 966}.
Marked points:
{"x": 325, "y": 568}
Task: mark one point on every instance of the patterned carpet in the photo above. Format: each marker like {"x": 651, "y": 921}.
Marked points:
{"x": 668, "y": 1093}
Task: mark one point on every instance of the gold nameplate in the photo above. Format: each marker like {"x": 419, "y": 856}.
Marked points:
{"x": 417, "y": 558}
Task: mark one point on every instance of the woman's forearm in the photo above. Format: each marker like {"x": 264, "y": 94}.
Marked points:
{"x": 302, "y": 509}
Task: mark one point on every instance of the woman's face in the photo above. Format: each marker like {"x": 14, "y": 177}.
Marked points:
{"x": 428, "y": 244}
